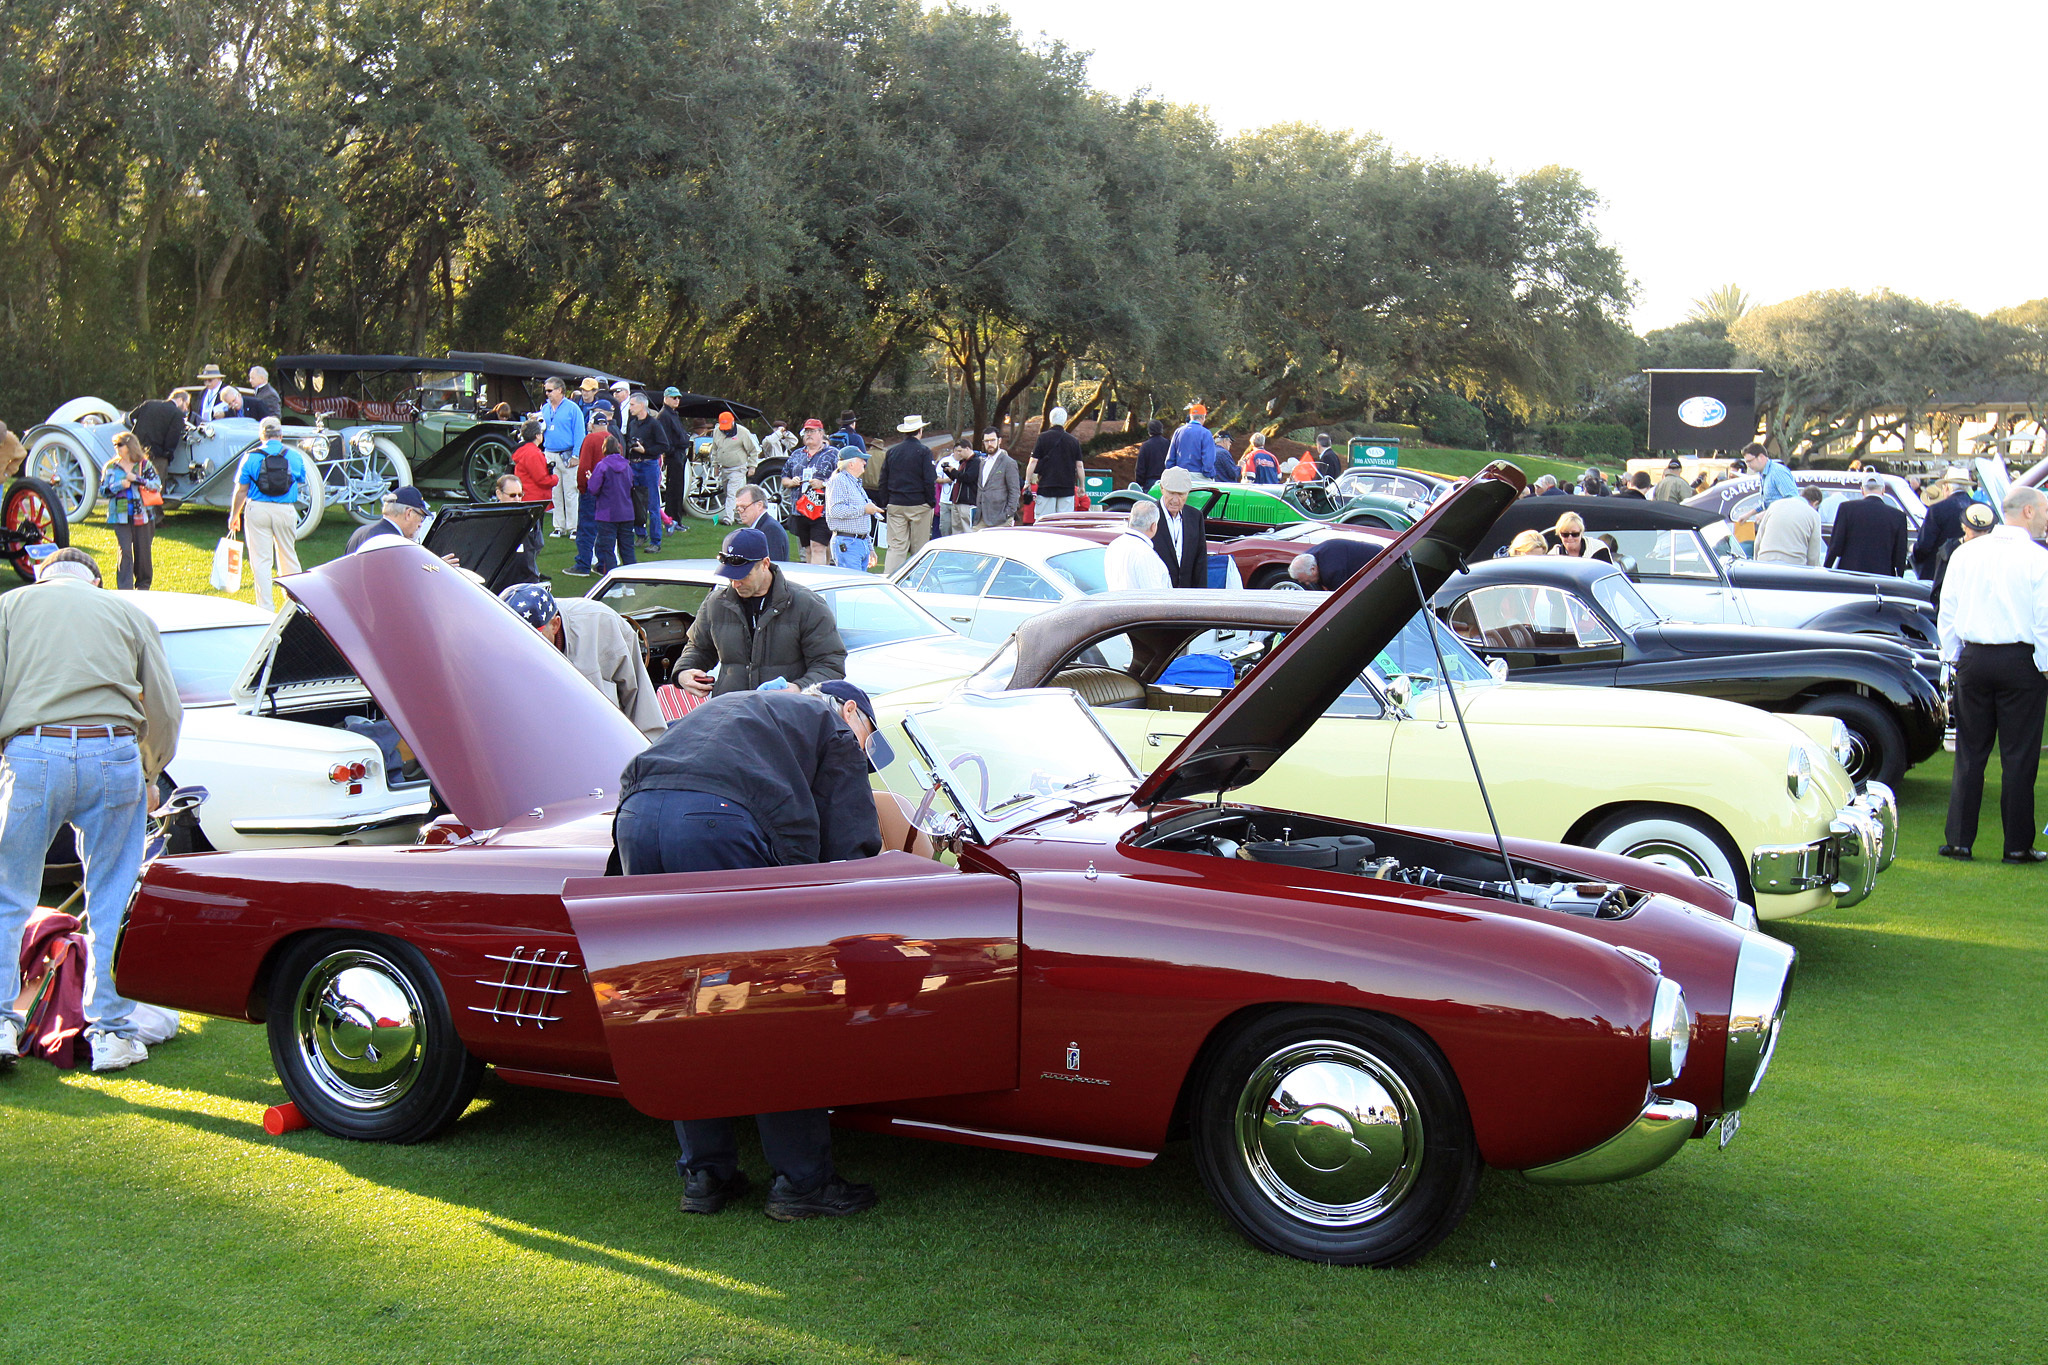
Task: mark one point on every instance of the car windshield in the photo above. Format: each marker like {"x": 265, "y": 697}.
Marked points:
{"x": 994, "y": 676}
{"x": 628, "y": 596}
{"x": 1621, "y": 601}
{"x": 1008, "y": 759}
{"x": 207, "y": 662}
{"x": 1082, "y": 568}
{"x": 1410, "y": 652}
{"x": 879, "y": 615}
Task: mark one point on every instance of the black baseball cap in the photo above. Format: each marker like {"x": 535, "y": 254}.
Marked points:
{"x": 842, "y": 690}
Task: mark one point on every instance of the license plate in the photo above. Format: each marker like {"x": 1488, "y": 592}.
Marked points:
{"x": 1731, "y": 1124}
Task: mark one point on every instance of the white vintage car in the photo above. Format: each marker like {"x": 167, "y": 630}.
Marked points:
{"x": 267, "y": 736}
{"x": 984, "y": 584}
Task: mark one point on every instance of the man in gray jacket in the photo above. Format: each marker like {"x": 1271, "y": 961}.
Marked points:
{"x": 1001, "y": 487}
{"x": 759, "y": 628}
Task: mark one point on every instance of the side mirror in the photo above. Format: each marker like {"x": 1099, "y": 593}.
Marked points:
{"x": 1399, "y": 689}
{"x": 1499, "y": 669}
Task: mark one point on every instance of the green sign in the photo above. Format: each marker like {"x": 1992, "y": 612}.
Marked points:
{"x": 1099, "y": 482}
{"x": 1374, "y": 453}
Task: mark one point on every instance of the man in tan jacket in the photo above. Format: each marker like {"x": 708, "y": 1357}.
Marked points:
{"x": 89, "y": 715}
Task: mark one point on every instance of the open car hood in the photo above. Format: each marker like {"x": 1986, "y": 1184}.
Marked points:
{"x": 485, "y": 538}
{"x": 452, "y": 667}
{"x": 1289, "y": 690}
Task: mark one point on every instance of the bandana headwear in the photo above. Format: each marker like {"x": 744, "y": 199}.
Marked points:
{"x": 534, "y": 603}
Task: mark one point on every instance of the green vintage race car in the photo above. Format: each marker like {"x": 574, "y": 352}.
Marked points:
{"x": 1245, "y": 508}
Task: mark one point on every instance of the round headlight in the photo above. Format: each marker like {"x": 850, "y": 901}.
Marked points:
{"x": 1841, "y": 745}
{"x": 1798, "y": 771}
{"x": 1670, "y": 1032}
{"x": 363, "y": 443}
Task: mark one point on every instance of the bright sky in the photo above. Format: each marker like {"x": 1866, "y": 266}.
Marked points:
{"x": 1784, "y": 146}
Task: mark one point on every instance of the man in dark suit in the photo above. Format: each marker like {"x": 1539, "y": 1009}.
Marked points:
{"x": 1944, "y": 522}
{"x": 1869, "y": 535}
{"x": 1181, "y": 539}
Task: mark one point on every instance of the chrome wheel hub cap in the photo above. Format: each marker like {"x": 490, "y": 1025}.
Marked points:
{"x": 1329, "y": 1133}
{"x": 357, "y": 1021}
{"x": 1663, "y": 853}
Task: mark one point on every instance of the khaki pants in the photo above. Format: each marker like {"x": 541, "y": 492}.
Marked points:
{"x": 909, "y": 529}
{"x": 271, "y": 529}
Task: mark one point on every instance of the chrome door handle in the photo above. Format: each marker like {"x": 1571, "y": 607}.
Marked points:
{"x": 962, "y": 619}
{"x": 1155, "y": 736}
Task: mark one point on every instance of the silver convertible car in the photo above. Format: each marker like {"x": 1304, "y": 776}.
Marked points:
{"x": 68, "y": 451}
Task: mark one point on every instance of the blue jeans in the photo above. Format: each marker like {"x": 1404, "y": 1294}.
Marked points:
{"x": 647, "y": 475}
{"x": 96, "y": 786}
{"x": 684, "y": 831}
{"x": 851, "y": 552}
{"x": 615, "y": 545}
{"x": 586, "y": 528}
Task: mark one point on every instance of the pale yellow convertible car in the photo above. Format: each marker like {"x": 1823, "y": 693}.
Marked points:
{"x": 1759, "y": 803}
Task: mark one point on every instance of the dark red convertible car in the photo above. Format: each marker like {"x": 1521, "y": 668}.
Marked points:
{"x": 1349, "y": 1021}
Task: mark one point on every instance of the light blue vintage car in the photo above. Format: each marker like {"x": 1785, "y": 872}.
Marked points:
{"x": 68, "y": 451}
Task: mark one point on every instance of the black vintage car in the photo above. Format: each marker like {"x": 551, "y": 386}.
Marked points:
{"x": 1568, "y": 620}
{"x": 1684, "y": 561}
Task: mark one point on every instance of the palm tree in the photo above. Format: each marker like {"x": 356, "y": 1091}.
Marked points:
{"x": 1724, "y": 305}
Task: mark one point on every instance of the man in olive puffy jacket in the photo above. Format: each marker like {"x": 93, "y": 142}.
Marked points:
{"x": 759, "y": 627}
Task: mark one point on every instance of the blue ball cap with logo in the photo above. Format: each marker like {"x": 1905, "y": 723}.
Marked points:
{"x": 743, "y": 549}
{"x": 534, "y": 603}
{"x": 408, "y": 496}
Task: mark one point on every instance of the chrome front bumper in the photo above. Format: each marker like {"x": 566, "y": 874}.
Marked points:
{"x": 1861, "y": 842}
{"x": 1653, "y": 1139}
{"x": 336, "y": 826}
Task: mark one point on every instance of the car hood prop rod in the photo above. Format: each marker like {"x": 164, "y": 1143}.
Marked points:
{"x": 1443, "y": 682}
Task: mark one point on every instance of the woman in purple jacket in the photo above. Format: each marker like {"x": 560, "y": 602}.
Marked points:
{"x": 611, "y": 497}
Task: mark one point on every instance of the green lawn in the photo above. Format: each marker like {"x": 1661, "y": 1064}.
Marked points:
{"x": 186, "y": 539}
{"x": 1885, "y": 1202}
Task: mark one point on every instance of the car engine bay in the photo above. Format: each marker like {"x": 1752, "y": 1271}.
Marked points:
{"x": 1291, "y": 840}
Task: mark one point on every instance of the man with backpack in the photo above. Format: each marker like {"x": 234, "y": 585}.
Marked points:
{"x": 267, "y": 496}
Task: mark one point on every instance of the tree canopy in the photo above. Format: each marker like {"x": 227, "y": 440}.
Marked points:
{"x": 789, "y": 200}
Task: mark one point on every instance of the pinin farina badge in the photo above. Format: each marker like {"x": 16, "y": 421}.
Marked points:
{"x": 1073, "y": 1056}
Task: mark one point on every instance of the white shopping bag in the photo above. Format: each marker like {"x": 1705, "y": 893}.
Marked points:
{"x": 227, "y": 565}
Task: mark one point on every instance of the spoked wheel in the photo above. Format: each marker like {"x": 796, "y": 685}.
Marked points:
{"x": 361, "y": 1036}
{"x": 312, "y": 501}
{"x": 31, "y": 515}
{"x": 1335, "y": 1136}
{"x": 706, "y": 498}
{"x": 486, "y": 460}
{"x": 60, "y": 460}
{"x": 362, "y": 482}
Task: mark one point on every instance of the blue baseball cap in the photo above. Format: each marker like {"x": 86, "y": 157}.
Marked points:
{"x": 671, "y": 392}
{"x": 408, "y": 496}
{"x": 841, "y": 690}
{"x": 743, "y": 549}
{"x": 534, "y": 603}
{"x": 601, "y": 411}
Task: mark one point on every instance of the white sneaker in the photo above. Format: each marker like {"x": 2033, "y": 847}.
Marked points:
{"x": 112, "y": 1052}
{"x": 10, "y": 1042}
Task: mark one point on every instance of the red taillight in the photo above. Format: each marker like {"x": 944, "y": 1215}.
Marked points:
{"x": 356, "y": 771}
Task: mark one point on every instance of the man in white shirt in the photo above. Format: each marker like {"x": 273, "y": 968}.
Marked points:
{"x": 1994, "y": 628}
{"x": 1131, "y": 561}
{"x": 1789, "y": 531}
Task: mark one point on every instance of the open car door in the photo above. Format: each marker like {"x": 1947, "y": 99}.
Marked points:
{"x": 805, "y": 987}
